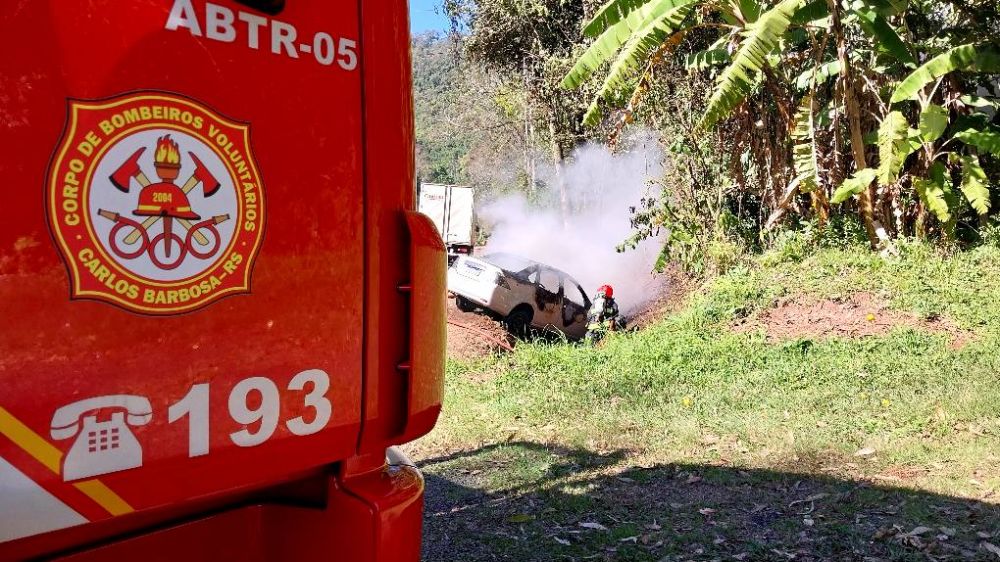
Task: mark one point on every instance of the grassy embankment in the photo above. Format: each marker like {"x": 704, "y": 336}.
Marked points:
{"x": 693, "y": 397}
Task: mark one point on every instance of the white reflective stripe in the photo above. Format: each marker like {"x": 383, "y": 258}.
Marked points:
{"x": 28, "y": 509}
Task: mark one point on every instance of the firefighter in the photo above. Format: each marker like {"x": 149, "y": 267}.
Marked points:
{"x": 603, "y": 315}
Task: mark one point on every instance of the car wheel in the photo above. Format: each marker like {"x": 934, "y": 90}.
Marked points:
{"x": 464, "y": 304}
{"x": 519, "y": 321}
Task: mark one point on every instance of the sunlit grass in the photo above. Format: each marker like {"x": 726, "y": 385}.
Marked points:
{"x": 691, "y": 390}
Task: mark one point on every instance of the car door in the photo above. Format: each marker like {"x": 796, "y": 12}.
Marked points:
{"x": 548, "y": 299}
{"x": 226, "y": 360}
{"x": 574, "y": 308}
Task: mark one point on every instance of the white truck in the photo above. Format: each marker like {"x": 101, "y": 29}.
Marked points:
{"x": 451, "y": 209}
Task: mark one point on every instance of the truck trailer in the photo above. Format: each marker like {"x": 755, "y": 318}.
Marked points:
{"x": 219, "y": 310}
{"x": 452, "y": 208}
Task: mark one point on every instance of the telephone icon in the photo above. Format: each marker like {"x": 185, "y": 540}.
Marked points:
{"x": 105, "y": 444}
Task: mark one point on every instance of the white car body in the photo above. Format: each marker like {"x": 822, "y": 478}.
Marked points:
{"x": 511, "y": 286}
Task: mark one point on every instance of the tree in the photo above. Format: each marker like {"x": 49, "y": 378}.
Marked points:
{"x": 437, "y": 86}
{"x": 798, "y": 84}
{"x": 532, "y": 40}
{"x": 466, "y": 121}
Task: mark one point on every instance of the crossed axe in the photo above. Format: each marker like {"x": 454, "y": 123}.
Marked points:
{"x": 131, "y": 169}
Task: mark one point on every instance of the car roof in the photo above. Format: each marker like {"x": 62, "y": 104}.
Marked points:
{"x": 510, "y": 262}
{"x": 514, "y": 262}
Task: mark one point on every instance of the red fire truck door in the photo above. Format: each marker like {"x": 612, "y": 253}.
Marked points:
{"x": 182, "y": 256}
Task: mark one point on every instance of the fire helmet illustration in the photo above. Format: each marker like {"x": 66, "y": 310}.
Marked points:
{"x": 174, "y": 240}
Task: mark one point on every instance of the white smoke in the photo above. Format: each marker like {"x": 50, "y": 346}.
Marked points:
{"x": 601, "y": 187}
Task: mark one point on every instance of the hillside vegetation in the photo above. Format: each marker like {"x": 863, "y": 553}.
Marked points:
{"x": 693, "y": 388}
{"x": 706, "y": 391}
{"x": 829, "y": 178}
{"x": 790, "y": 114}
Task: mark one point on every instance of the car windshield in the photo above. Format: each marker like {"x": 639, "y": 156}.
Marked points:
{"x": 509, "y": 262}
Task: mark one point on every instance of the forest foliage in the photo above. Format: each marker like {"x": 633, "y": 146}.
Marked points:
{"x": 775, "y": 115}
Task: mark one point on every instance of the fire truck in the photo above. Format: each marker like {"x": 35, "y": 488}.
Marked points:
{"x": 219, "y": 312}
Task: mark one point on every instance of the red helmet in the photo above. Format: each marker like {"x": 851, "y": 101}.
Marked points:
{"x": 164, "y": 200}
{"x": 606, "y": 290}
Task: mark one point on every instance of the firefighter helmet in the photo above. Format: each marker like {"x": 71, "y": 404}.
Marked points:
{"x": 607, "y": 291}
{"x": 164, "y": 200}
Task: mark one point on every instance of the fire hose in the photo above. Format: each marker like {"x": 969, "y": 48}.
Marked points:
{"x": 167, "y": 238}
{"x": 484, "y": 334}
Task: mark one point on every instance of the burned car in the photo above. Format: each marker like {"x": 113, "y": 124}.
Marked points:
{"x": 523, "y": 293}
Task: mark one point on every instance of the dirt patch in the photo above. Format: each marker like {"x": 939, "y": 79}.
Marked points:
{"x": 856, "y": 316}
{"x": 473, "y": 335}
{"x": 669, "y": 291}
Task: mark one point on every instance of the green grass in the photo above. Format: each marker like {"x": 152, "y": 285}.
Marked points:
{"x": 691, "y": 390}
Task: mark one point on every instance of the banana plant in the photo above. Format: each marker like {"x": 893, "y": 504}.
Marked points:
{"x": 838, "y": 61}
{"x": 946, "y": 146}
{"x": 638, "y": 30}
{"x": 631, "y": 34}
{"x": 627, "y": 33}
{"x": 739, "y": 79}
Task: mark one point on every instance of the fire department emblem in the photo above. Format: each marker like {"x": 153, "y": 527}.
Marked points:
{"x": 155, "y": 202}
